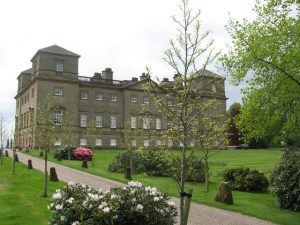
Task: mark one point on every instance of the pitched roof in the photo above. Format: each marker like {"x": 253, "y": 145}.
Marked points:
{"x": 207, "y": 73}
{"x": 27, "y": 71}
{"x": 55, "y": 49}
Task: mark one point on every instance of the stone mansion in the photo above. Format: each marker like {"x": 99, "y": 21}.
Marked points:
{"x": 110, "y": 104}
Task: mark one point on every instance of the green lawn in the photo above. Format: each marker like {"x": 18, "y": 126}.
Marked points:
{"x": 20, "y": 196}
{"x": 261, "y": 205}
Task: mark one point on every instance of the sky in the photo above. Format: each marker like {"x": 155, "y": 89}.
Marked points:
{"x": 126, "y": 36}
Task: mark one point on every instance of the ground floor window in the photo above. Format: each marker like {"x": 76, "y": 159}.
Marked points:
{"x": 98, "y": 142}
{"x": 57, "y": 142}
{"x": 82, "y": 142}
{"x": 146, "y": 143}
{"x": 113, "y": 142}
{"x": 133, "y": 143}
{"x": 158, "y": 143}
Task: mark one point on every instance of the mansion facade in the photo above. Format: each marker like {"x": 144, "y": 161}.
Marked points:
{"x": 109, "y": 104}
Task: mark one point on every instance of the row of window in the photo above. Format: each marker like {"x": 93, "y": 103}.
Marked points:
{"x": 113, "y": 142}
{"x": 84, "y": 95}
{"x": 113, "y": 122}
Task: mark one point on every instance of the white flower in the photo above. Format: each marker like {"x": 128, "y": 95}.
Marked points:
{"x": 139, "y": 207}
{"x": 59, "y": 207}
{"x": 62, "y": 218}
{"x": 133, "y": 200}
{"x": 106, "y": 210}
{"x": 71, "y": 184}
{"x": 93, "y": 197}
{"x": 50, "y": 206}
{"x": 113, "y": 196}
{"x": 56, "y": 195}
{"x": 124, "y": 188}
{"x": 84, "y": 203}
{"x": 102, "y": 205}
{"x": 170, "y": 203}
{"x": 75, "y": 223}
{"x": 83, "y": 185}
{"x": 70, "y": 200}
{"x": 135, "y": 184}
{"x": 156, "y": 199}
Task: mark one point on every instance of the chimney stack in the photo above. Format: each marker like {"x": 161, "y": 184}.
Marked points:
{"x": 144, "y": 76}
{"x": 107, "y": 74}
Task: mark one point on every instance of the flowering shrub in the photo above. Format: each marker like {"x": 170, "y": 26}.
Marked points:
{"x": 83, "y": 153}
{"x": 80, "y": 204}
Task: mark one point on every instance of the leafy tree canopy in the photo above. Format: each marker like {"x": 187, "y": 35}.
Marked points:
{"x": 268, "y": 48}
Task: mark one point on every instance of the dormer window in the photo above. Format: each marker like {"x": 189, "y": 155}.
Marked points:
{"x": 59, "y": 67}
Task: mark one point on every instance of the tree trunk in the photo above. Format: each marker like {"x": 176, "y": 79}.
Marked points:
{"x": 6, "y": 153}
{"x": 206, "y": 173}
{"x": 128, "y": 173}
{"x": 45, "y": 194}
{"x": 13, "y": 161}
{"x": 84, "y": 163}
{"x": 182, "y": 182}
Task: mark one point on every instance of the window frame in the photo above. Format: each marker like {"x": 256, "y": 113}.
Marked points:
{"x": 146, "y": 100}
{"x": 57, "y": 115}
{"x": 98, "y": 140}
{"x": 146, "y": 123}
{"x": 98, "y": 121}
{"x": 84, "y": 95}
{"x": 133, "y": 122}
{"x": 100, "y": 95}
{"x": 82, "y": 142}
{"x": 133, "y": 98}
{"x": 113, "y": 122}
{"x": 58, "y": 91}
{"x": 146, "y": 143}
{"x": 59, "y": 67}
{"x": 83, "y": 122}
{"x": 113, "y": 142}
{"x": 113, "y": 98}
{"x": 158, "y": 123}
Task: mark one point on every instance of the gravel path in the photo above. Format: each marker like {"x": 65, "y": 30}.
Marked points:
{"x": 199, "y": 214}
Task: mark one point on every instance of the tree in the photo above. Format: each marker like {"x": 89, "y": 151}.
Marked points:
{"x": 180, "y": 101}
{"x": 46, "y": 130}
{"x": 129, "y": 142}
{"x": 267, "y": 48}
{"x": 233, "y": 132}
{"x": 3, "y": 135}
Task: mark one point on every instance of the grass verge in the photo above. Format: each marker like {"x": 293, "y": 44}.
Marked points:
{"x": 21, "y": 201}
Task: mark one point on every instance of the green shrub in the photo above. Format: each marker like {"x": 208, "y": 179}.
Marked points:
{"x": 194, "y": 168}
{"x": 156, "y": 163}
{"x": 153, "y": 162}
{"x": 285, "y": 181}
{"x": 119, "y": 163}
{"x": 256, "y": 181}
{"x": 244, "y": 179}
{"x": 63, "y": 153}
